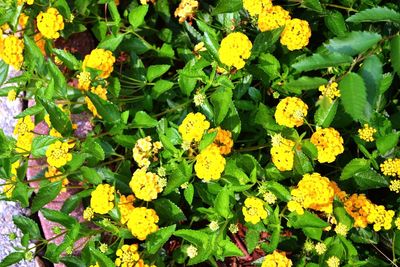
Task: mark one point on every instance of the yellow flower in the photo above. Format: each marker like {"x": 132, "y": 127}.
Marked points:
{"x": 358, "y": 207}
{"x": 95, "y": 265}
{"x": 57, "y": 154}
{"x": 253, "y": 210}
{"x": 125, "y": 206}
{"x": 380, "y": 217}
{"x": 367, "y": 133}
{"x": 223, "y": 140}
{"x": 102, "y": 93}
{"x": 320, "y": 248}
{"x": 84, "y": 80}
{"x": 145, "y": 185}
{"x": 145, "y": 150}
{"x": 54, "y": 175}
{"x": 342, "y": 195}
{"x": 24, "y": 143}
{"x": 9, "y": 185}
{"x": 296, "y": 34}
{"x": 88, "y": 214}
{"x": 29, "y": 2}
{"x": 330, "y": 91}
{"x": 100, "y": 59}
{"x": 313, "y": 191}
{"x": 282, "y": 153}
{"x": 209, "y": 164}
{"x": 235, "y": 49}
{"x": 193, "y": 126}
{"x": 199, "y": 99}
{"x": 391, "y": 167}
{"x": 397, "y": 223}
{"x": 291, "y": 112}
{"x": 12, "y": 95}
{"x": 142, "y": 222}
{"x": 273, "y": 18}
{"x": 186, "y": 10}
{"x": 341, "y": 229}
{"x": 269, "y": 197}
{"x": 333, "y": 261}
{"x": 256, "y": 7}
{"x": 24, "y": 125}
{"x": 102, "y": 200}
{"x": 50, "y": 23}
{"x": 309, "y": 246}
{"x": 127, "y": 256}
{"x": 23, "y": 19}
{"x": 11, "y": 51}
{"x": 276, "y": 259}
{"x": 395, "y": 186}
{"x": 329, "y": 144}
{"x": 40, "y": 42}
{"x": 191, "y": 251}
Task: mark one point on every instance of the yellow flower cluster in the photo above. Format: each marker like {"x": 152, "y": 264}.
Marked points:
{"x": 23, "y": 131}
{"x": 256, "y": 7}
{"x": 144, "y": 150}
{"x": 54, "y": 175}
{"x": 23, "y": 19}
{"x": 88, "y": 214}
{"x": 102, "y": 200}
{"x": 313, "y": 191}
{"x": 235, "y": 49}
{"x": 50, "y": 23}
{"x": 329, "y": 144}
{"x": 9, "y": 186}
{"x": 84, "y": 80}
{"x": 320, "y": 248}
{"x": 391, "y": 167}
{"x": 29, "y": 2}
{"x": 380, "y": 217}
{"x": 102, "y": 93}
{"x": 11, "y": 51}
{"x": 296, "y": 34}
{"x": 186, "y": 10}
{"x": 193, "y": 126}
{"x": 282, "y": 153}
{"x": 57, "y": 154}
{"x": 125, "y": 206}
{"x": 127, "y": 256}
{"x": 273, "y": 18}
{"x": 223, "y": 140}
{"x": 291, "y": 112}
{"x": 100, "y": 59}
{"x": 330, "y": 91}
{"x": 277, "y": 259}
{"x": 395, "y": 186}
{"x": 341, "y": 229}
{"x": 12, "y": 95}
{"x": 253, "y": 210}
{"x": 358, "y": 207}
{"x": 209, "y": 164}
{"x": 333, "y": 261}
{"x": 367, "y": 133}
{"x": 145, "y": 185}
{"x": 142, "y": 222}
{"x": 40, "y": 42}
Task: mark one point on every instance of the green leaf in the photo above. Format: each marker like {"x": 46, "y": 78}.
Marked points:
{"x": 353, "y": 167}
{"x": 326, "y": 112}
{"x": 3, "y": 72}
{"x": 354, "y": 96}
{"x": 229, "y": 249}
{"x": 211, "y": 43}
{"x": 195, "y": 237}
{"x": 21, "y": 193}
{"x": 115, "y": 87}
{"x": 181, "y": 174}
{"x": 302, "y": 164}
{"x": 60, "y": 83}
{"x": 63, "y": 8}
{"x": 312, "y": 4}
{"x": 160, "y": 87}
{"x": 156, "y": 240}
{"x": 27, "y": 226}
{"x": 12, "y": 258}
{"x": 334, "y": 21}
{"x": 371, "y": 72}
{"x": 188, "y": 193}
{"x": 321, "y": 61}
{"x": 313, "y": 232}
{"x": 353, "y": 43}
{"x": 59, "y": 217}
{"x": 111, "y": 42}
{"x": 68, "y": 59}
{"x": 207, "y": 140}
{"x": 222, "y": 203}
{"x": 279, "y": 190}
{"x": 112, "y": 7}
{"x": 307, "y": 219}
{"x": 265, "y": 118}
{"x": 221, "y": 100}
{"x": 305, "y": 83}
{"x": 375, "y": 14}
{"x": 91, "y": 175}
{"x": 252, "y": 238}
{"x": 101, "y": 258}
{"x": 264, "y": 41}
{"x": 144, "y": 120}
{"x": 387, "y": 142}
{"x": 59, "y": 120}
{"x": 168, "y": 211}
{"x": 32, "y": 52}
{"x": 107, "y": 110}
{"x": 40, "y": 144}
{"x": 370, "y": 179}
{"x": 45, "y": 194}
{"x": 93, "y": 148}
{"x": 227, "y": 6}
{"x": 136, "y": 16}
{"x": 395, "y": 53}
{"x": 155, "y": 71}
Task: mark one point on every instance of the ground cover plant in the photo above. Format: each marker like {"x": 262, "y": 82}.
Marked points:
{"x": 220, "y": 133}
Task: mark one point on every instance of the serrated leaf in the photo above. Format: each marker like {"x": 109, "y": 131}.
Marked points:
{"x": 168, "y": 210}
{"x": 375, "y": 14}
{"x": 279, "y": 190}
{"x": 59, "y": 120}
{"x": 68, "y": 59}
{"x": 101, "y": 258}
{"x": 27, "y": 226}
{"x": 354, "y": 96}
{"x": 353, "y": 43}
{"x": 395, "y": 53}
{"x": 334, "y": 21}
{"x": 305, "y": 83}
{"x": 3, "y": 72}
{"x": 156, "y": 240}
{"x": 36, "y": 109}
{"x": 181, "y": 174}
{"x": 353, "y": 167}
{"x": 387, "y": 142}
{"x": 221, "y": 100}
{"x": 160, "y": 87}
{"x": 144, "y": 120}
{"x": 224, "y": 6}
{"x": 111, "y": 42}
{"x": 59, "y": 217}
{"x": 371, "y": 72}
{"x": 264, "y": 41}
{"x": 326, "y": 112}
{"x": 252, "y": 238}
{"x": 307, "y": 219}
{"x": 155, "y": 71}
{"x": 107, "y": 110}
{"x": 211, "y": 43}
{"x": 370, "y": 179}
{"x": 321, "y": 61}
{"x": 12, "y": 258}
{"x": 136, "y": 16}
{"x": 312, "y": 4}
{"x": 207, "y": 140}
{"x": 188, "y": 193}
{"x": 40, "y": 144}
{"x": 91, "y": 175}
{"x": 222, "y": 203}
{"x": 46, "y": 194}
